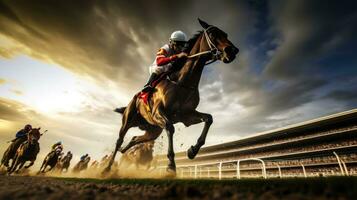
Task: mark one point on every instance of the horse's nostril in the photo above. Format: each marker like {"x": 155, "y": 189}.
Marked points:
{"x": 235, "y": 50}
{"x": 231, "y": 50}
{"x": 228, "y": 50}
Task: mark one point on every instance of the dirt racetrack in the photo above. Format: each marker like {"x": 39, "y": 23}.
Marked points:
{"x": 22, "y": 187}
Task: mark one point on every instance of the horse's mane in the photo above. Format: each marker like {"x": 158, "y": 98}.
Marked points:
{"x": 189, "y": 45}
{"x": 192, "y": 41}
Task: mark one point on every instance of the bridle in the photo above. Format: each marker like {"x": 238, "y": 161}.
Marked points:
{"x": 216, "y": 53}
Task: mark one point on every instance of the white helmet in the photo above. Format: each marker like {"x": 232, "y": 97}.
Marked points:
{"x": 178, "y": 36}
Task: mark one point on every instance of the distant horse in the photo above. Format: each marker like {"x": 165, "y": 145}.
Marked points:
{"x": 104, "y": 161}
{"x": 51, "y": 160}
{"x": 140, "y": 154}
{"x": 65, "y": 162}
{"x": 94, "y": 165}
{"x": 81, "y": 165}
{"x": 27, "y": 151}
{"x": 175, "y": 99}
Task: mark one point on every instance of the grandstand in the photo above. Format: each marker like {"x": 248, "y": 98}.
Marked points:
{"x": 325, "y": 146}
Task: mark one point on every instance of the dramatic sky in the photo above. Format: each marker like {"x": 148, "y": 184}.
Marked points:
{"x": 65, "y": 65}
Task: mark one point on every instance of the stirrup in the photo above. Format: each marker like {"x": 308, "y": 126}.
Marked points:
{"x": 147, "y": 88}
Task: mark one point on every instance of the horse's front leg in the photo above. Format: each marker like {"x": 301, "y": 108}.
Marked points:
{"x": 170, "y": 129}
{"x": 195, "y": 118}
{"x": 21, "y": 165}
{"x": 14, "y": 164}
{"x": 51, "y": 167}
{"x": 30, "y": 164}
{"x": 163, "y": 121}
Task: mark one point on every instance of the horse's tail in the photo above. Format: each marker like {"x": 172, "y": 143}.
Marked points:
{"x": 120, "y": 110}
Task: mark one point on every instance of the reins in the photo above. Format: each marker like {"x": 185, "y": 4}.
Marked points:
{"x": 213, "y": 49}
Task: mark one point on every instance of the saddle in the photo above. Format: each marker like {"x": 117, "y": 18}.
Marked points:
{"x": 145, "y": 95}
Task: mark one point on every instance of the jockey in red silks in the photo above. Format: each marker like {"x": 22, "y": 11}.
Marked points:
{"x": 166, "y": 56}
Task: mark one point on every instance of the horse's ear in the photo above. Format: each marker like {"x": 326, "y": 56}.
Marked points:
{"x": 39, "y": 128}
{"x": 203, "y": 23}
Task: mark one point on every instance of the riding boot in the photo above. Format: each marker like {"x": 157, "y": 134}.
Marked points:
{"x": 148, "y": 86}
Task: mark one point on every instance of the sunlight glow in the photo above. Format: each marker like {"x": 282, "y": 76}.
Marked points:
{"x": 46, "y": 87}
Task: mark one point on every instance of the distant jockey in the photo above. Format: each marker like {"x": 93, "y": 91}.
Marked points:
{"x": 166, "y": 55}
{"x": 23, "y": 132}
{"x": 57, "y": 146}
{"x": 84, "y": 157}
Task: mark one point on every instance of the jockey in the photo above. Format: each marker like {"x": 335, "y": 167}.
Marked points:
{"x": 166, "y": 55}
{"x": 57, "y": 146}
{"x": 84, "y": 157}
{"x": 23, "y": 132}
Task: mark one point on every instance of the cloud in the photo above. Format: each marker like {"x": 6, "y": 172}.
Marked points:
{"x": 342, "y": 95}
{"x": 308, "y": 31}
{"x": 278, "y": 77}
{"x": 2, "y": 81}
{"x": 113, "y": 40}
{"x": 15, "y": 111}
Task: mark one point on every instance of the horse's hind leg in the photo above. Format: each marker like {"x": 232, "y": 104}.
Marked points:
{"x": 149, "y": 135}
{"x": 127, "y": 122}
{"x": 195, "y": 118}
{"x": 123, "y": 130}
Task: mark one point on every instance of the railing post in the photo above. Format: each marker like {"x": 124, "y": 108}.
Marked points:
{"x": 182, "y": 172}
{"x": 208, "y": 175}
{"x": 200, "y": 169}
{"x": 220, "y": 170}
{"x": 303, "y": 169}
{"x": 345, "y": 167}
{"x": 238, "y": 170}
{"x": 195, "y": 171}
{"x": 190, "y": 170}
{"x": 280, "y": 176}
{"x": 339, "y": 163}
{"x": 264, "y": 169}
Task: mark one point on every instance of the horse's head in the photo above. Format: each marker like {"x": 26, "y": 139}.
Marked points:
{"x": 34, "y": 135}
{"x": 217, "y": 39}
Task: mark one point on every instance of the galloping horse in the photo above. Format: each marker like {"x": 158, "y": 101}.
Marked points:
{"x": 175, "y": 99}
{"x": 50, "y": 160}
{"x": 64, "y": 163}
{"x": 81, "y": 165}
{"x": 27, "y": 151}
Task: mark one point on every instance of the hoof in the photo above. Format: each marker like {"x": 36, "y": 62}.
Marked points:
{"x": 191, "y": 153}
{"x": 170, "y": 173}
{"x": 122, "y": 150}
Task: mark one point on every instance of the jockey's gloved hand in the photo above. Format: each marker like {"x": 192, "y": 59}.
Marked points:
{"x": 182, "y": 55}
